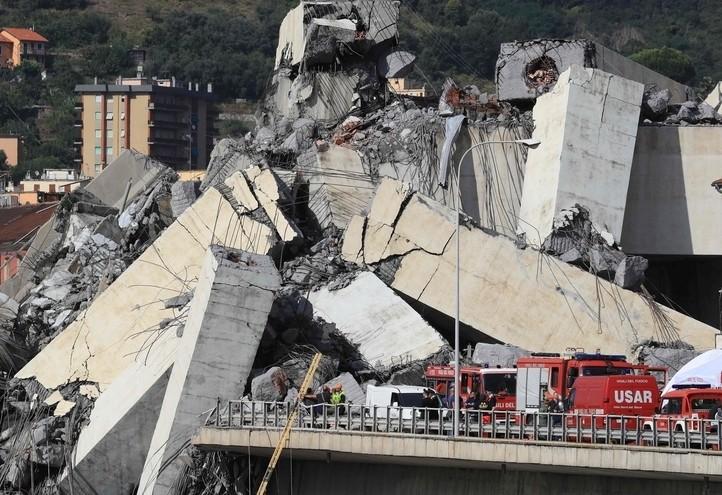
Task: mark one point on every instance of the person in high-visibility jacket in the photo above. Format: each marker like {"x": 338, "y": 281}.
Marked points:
{"x": 338, "y": 398}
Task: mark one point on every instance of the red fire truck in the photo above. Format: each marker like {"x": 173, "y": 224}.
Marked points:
{"x": 685, "y": 407}
{"x": 611, "y": 398}
{"x": 562, "y": 371}
{"x": 590, "y": 384}
{"x": 499, "y": 381}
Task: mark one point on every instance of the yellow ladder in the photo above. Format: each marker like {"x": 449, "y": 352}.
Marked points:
{"x": 289, "y": 424}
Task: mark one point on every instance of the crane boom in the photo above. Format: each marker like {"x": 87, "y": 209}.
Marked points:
{"x": 289, "y": 423}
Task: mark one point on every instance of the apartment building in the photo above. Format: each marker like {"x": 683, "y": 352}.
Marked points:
{"x": 20, "y": 44}
{"x": 161, "y": 118}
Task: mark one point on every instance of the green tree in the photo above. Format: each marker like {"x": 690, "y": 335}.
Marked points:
{"x": 668, "y": 61}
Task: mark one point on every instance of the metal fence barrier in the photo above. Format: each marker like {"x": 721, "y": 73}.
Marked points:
{"x": 679, "y": 433}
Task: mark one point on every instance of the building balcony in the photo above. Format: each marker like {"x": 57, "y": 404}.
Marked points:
{"x": 168, "y": 141}
{"x": 78, "y": 123}
{"x": 154, "y": 105}
{"x": 167, "y": 124}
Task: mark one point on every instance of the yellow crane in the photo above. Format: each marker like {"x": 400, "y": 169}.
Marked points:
{"x": 308, "y": 379}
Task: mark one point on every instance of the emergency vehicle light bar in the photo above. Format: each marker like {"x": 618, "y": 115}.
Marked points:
{"x": 546, "y": 354}
{"x": 580, "y": 356}
{"x": 683, "y": 386}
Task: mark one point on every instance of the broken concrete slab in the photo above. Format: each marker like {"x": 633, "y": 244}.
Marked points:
{"x": 110, "y": 451}
{"x": 377, "y": 237}
{"x": 241, "y": 192}
{"x": 397, "y": 63}
{"x": 291, "y": 37}
{"x": 380, "y": 18}
{"x": 131, "y": 167}
{"x": 8, "y": 307}
{"x": 226, "y": 320}
{"x": 655, "y": 103}
{"x": 332, "y": 97}
{"x": 384, "y": 327}
{"x": 564, "y": 305}
{"x": 270, "y": 386}
{"x": 630, "y": 272}
{"x": 714, "y": 98}
{"x": 392, "y": 194}
{"x": 438, "y": 221}
{"x": 183, "y": 194}
{"x": 374, "y": 22}
{"x": 228, "y": 156}
{"x": 587, "y": 126}
{"x": 339, "y": 187}
{"x": 323, "y": 37}
{"x": 268, "y": 192}
{"x": 353, "y": 241}
{"x": 521, "y": 62}
{"x": 494, "y": 355}
{"x": 667, "y": 357}
{"x": 110, "y": 344}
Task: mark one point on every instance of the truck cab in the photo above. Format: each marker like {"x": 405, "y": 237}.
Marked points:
{"x": 684, "y": 405}
{"x": 499, "y": 381}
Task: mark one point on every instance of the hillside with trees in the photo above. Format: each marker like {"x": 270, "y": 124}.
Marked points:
{"x": 232, "y": 43}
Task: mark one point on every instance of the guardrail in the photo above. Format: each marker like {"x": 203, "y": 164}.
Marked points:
{"x": 658, "y": 431}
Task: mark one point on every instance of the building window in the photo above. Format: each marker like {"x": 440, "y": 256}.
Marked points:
{"x": 52, "y": 188}
{"x": 122, "y": 115}
{"x": 122, "y": 133}
{"x": 97, "y": 150}
{"x": 98, "y": 168}
{"x": 40, "y": 47}
{"x": 98, "y": 98}
{"x": 66, "y": 188}
{"x": 109, "y": 116}
{"x": 36, "y": 188}
{"x": 98, "y": 116}
{"x": 109, "y": 133}
{"x": 109, "y": 153}
{"x": 109, "y": 103}
{"x": 97, "y": 133}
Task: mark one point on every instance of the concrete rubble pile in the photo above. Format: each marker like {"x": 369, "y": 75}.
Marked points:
{"x": 88, "y": 244}
{"x": 331, "y": 228}
{"x": 575, "y": 240}
{"x": 657, "y": 108}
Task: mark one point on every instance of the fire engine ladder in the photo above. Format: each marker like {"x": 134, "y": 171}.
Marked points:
{"x": 289, "y": 423}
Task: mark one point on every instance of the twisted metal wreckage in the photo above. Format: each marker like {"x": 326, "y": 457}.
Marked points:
{"x": 328, "y": 229}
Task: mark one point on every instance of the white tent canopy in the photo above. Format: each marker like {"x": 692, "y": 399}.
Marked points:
{"x": 704, "y": 369}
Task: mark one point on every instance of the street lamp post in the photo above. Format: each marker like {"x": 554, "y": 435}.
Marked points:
{"x": 529, "y": 143}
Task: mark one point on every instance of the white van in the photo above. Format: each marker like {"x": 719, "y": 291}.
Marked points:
{"x": 389, "y": 398}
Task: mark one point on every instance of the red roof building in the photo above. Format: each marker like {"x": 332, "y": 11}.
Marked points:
{"x": 26, "y": 45}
